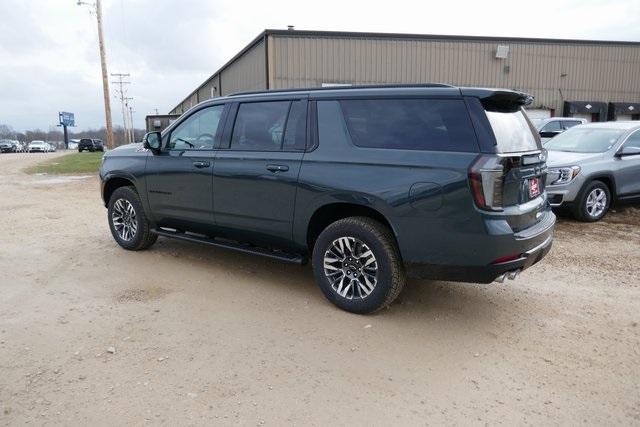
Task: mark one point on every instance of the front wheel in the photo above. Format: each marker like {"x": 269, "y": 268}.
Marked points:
{"x": 127, "y": 220}
{"x": 357, "y": 265}
{"x": 593, "y": 203}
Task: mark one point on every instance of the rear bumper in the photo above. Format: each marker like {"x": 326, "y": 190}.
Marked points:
{"x": 531, "y": 245}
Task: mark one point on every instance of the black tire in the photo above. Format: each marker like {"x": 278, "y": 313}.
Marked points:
{"x": 390, "y": 270}
{"x": 143, "y": 238}
{"x": 580, "y": 209}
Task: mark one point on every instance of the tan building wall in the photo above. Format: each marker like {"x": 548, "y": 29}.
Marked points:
{"x": 246, "y": 73}
{"x": 553, "y": 71}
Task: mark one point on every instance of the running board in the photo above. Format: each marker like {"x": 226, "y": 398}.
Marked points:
{"x": 239, "y": 247}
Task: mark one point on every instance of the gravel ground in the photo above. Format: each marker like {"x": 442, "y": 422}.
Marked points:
{"x": 186, "y": 334}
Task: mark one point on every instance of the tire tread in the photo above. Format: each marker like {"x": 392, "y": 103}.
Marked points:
{"x": 146, "y": 239}
{"x": 385, "y": 238}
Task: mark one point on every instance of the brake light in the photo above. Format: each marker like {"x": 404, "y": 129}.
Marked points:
{"x": 486, "y": 177}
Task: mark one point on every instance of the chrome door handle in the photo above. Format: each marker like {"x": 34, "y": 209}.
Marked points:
{"x": 200, "y": 164}
{"x": 277, "y": 168}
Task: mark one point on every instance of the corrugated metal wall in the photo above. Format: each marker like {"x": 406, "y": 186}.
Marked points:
{"x": 551, "y": 71}
{"x": 247, "y": 72}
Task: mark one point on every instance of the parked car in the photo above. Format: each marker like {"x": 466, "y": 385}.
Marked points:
{"x": 592, "y": 166}
{"x": 549, "y": 128}
{"x": 38, "y": 146}
{"x": 371, "y": 184}
{"x": 73, "y": 144}
{"x": 53, "y": 147}
{"x": 90, "y": 145}
{"x": 11, "y": 146}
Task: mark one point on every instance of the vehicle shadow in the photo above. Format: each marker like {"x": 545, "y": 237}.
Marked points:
{"x": 421, "y": 300}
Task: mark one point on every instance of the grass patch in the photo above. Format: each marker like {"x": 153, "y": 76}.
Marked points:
{"x": 77, "y": 163}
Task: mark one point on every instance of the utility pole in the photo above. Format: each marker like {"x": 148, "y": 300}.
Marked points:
{"x": 130, "y": 119}
{"x": 123, "y": 98}
{"x": 103, "y": 63}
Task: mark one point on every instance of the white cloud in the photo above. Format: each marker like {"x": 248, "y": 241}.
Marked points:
{"x": 50, "y": 57}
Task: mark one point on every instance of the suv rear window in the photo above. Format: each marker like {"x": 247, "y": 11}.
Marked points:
{"x": 407, "y": 124}
{"x": 513, "y": 131}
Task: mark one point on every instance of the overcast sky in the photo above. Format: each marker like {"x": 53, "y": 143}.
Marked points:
{"x": 49, "y": 58}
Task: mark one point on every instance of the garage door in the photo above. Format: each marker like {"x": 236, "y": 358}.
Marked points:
{"x": 535, "y": 114}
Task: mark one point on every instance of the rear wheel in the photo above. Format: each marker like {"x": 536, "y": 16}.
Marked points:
{"x": 357, "y": 265}
{"x": 593, "y": 203}
{"x": 127, "y": 220}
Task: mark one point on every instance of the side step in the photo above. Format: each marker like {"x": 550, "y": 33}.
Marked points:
{"x": 282, "y": 256}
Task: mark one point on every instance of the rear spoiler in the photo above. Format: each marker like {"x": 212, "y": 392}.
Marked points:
{"x": 500, "y": 100}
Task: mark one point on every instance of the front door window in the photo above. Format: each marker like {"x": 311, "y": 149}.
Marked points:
{"x": 197, "y": 132}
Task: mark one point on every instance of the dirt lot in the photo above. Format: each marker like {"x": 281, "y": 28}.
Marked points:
{"x": 203, "y": 336}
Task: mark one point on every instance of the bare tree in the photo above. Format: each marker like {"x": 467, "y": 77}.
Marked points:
{"x": 7, "y": 132}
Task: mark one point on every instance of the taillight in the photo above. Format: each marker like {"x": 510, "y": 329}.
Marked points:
{"x": 486, "y": 176}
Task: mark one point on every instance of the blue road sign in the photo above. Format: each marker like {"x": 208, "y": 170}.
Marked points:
{"x": 67, "y": 119}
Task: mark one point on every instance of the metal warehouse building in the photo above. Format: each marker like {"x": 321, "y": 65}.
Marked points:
{"x": 598, "y": 80}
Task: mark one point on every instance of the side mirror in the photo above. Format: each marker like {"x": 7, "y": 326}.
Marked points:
{"x": 153, "y": 141}
{"x": 628, "y": 150}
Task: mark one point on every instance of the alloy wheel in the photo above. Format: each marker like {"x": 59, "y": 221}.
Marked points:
{"x": 596, "y": 202}
{"x": 124, "y": 219}
{"x": 351, "y": 268}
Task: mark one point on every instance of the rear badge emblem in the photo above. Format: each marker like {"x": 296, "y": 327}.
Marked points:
{"x": 534, "y": 187}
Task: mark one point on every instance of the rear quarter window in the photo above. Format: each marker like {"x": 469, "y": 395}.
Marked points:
{"x": 405, "y": 124}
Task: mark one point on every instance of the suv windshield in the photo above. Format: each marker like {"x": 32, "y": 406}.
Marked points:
{"x": 585, "y": 140}
{"x": 513, "y": 132}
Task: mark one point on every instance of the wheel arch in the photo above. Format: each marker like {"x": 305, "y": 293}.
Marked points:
{"x": 112, "y": 183}
{"x": 607, "y": 178}
{"x": 331, "y": 212}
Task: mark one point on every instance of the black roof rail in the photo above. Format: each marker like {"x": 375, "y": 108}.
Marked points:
{"x": 349, "y": 87}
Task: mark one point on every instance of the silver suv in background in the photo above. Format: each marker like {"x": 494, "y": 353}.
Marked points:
{"x": 11, "y": 146}
{"x": 593, "y": 165}
{"x": 548, "y": 128}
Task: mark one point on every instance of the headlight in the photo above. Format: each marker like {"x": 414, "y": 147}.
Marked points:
{"x": 563, "y": 175}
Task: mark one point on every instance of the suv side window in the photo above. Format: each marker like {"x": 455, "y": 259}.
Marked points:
{"x": 198, "y": 131}
{"x": 568, "y": 124}
{"x": 553, "y": 126}
{"x": 295, "y": 135}
{"x": 633, "y": 140}
{"x": 260, "y": 126}
{"x": 410, "y": 124}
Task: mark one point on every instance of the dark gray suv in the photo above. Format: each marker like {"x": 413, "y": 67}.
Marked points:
{"x": 370, "y": 183}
